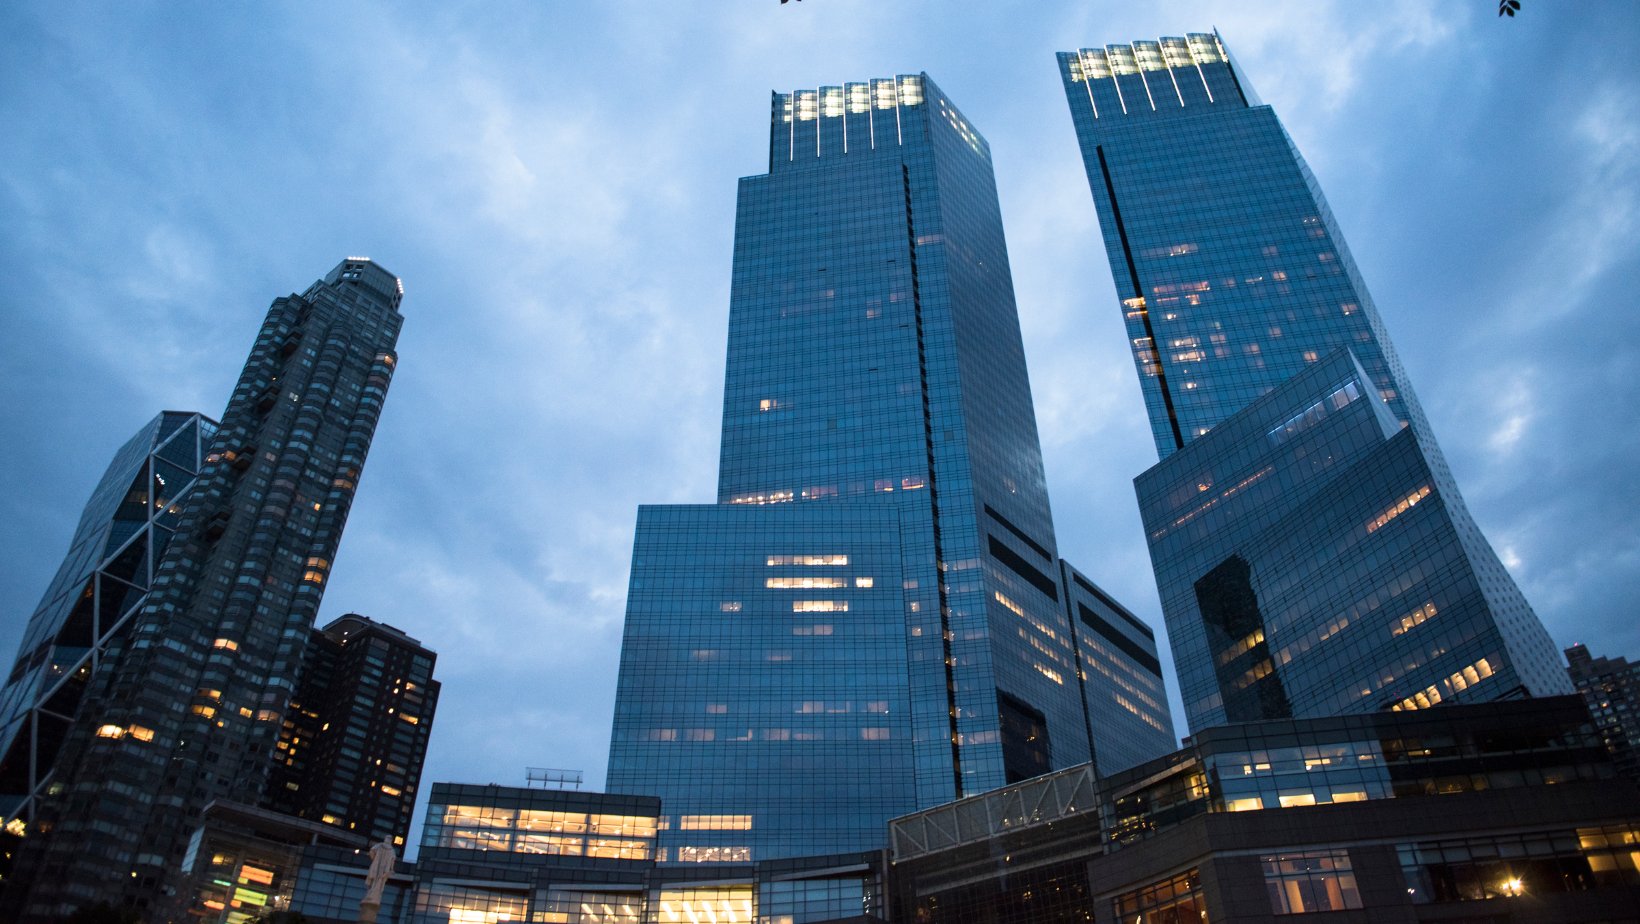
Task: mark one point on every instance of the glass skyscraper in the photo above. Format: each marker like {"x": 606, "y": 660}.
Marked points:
{"x": 184, "y": 702}
{"x": 1296, "y": 578}
{"x": 873, "y": 617}
{"x": 123, "y": 532}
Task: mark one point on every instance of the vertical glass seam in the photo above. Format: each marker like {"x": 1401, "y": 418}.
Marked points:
{"x": 1139, "y": 292}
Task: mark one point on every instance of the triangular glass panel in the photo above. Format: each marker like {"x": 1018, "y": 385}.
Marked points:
{"x": 77, "y": 629}
{"x": 52, "y": 731}
{"x": 120, "y": 532}
{"x": 81, "y": 614}
{"x": 135, "y": 505}
{"x": 168, "y": 480}
{"x": 182, "y": 449}
{"x": 168, "y": 423}
{"x": 66, "y": 701}
{"x": 171, "y": 516}
{"x": 64, "y": 660}
{"x": 117, "y": 600}
{"x": 162, "y": 538}
{"x": 131, "y": 564}
{"x": 14, "y": 768}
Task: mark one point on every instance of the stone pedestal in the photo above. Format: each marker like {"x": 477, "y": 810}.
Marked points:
{"x": 367, "y": 912}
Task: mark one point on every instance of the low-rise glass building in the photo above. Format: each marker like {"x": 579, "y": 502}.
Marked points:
{"x": 1514, "y": 807}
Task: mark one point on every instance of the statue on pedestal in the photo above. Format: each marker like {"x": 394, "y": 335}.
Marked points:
{"x": 381, "y": 867}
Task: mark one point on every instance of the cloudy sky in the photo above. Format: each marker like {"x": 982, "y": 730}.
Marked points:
{"x": 555, "y": 183}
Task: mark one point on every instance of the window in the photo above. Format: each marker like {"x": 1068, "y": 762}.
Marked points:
{"x": 775, "y": 560}
{"x": 819, "y": 606}
{"x": 808, "y": 582}
{"x": 1315, "y": 880}
{"x": 1171, "y": 901}
{"x": 715, "y": 823}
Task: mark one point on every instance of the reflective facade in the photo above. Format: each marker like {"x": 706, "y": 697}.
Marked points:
{"x": 124, "y": 530}
{"x": 1234, "y": 280}
{"x": 877, "y": 414}
{"x": 1384, "y": 813}
{"x": 186, "y": 704}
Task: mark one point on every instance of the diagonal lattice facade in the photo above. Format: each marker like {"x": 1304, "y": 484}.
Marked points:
{"x": 125, "y": 529}
{"x": 186, "y": 705}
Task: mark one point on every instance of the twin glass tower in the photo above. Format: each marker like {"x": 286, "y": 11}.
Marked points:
{"x": 873, "y": 619}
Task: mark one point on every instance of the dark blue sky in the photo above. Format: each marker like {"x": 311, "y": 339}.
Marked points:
{"x": 555, "y": 184}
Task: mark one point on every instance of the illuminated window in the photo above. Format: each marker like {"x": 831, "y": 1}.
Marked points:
{"x": 774, "y": 560}
{"x": 410, "y": 718}
{"x": 110, "y": 731}
{"x": 1170, "y": 900}
{"x": 249, "y": 873}
{"x": 140, "y": 733}
{"x": 390, "y": 790}
{"x": 1316, "y": 880}
{"x": 205, "y": 711}
{"x": 227, "y": 643}
{"x": 1400, "y": 507}
{"x": 1415, "y": 618}
{"x": 730, "y": 606}
{"x": 715, "y": 823}
{"x": 819, "y": 606}
{"x": 1316, "y": 412}
{"x": 317, "y": 577}
{"x": 806, "y": 582}
{"x": 862, "y": 582}
{"x": 1250, "y": 804}
{"x": 318, "y": 563}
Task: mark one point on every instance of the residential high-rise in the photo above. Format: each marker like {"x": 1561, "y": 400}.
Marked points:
{"x": 123, "y": 532}
{"x": 1295, "y": 580}
{"x": 1611, "y": 688}
{"x": 185, "y": 705}
{"x": 873, "y": 617}
{"x": 356, "y": 731}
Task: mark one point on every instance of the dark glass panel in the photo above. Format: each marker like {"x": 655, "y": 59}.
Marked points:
{"x": 131, "y": 564}
{"x": 169, "y": 480}
{"x": 135, "y": 506}
{"x": 181, "y": 449}
{"x": 117, "y": 600}
{"x": 14, "y": 768}
{"x": 172, "y": 514}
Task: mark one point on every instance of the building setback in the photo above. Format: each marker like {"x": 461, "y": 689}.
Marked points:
{"x": 356, "y": 731}
{"x": 872, "y": 618}
{"x": 185, "y": 707}
{"x": 1312, "y": 551}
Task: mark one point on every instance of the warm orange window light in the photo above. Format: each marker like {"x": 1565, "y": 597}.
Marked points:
{"x": 252, "y": 874}
{"x": 227, "y": 643}
{"x": 140, "y": 733}
{"x": 110, "y": 731}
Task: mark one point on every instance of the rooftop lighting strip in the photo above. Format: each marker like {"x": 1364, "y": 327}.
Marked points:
{"x": 1120, "y": 97}
{"x": 1167, "y": 64}
{"x": 1083, "y": 64}
{"x": 1199, "y": 70}
{"x": 1137, "y": 65}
